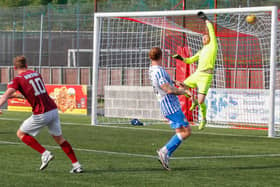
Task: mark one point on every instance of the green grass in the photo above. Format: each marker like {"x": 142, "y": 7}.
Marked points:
{"x": 193, "y": 165}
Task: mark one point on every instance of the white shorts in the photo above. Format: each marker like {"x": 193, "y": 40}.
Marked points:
{"x": 35, "y": 123}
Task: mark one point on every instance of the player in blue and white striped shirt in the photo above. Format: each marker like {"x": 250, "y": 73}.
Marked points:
{"x": 169, "y": 105}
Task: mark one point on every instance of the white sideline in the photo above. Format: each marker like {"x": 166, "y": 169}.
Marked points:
{"x": 154, "y": 156}
{"x": 145, "y": 129}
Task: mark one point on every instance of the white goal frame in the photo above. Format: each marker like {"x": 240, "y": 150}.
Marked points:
{"x": 272, "y": 9}
{"x": 72, "y": 53}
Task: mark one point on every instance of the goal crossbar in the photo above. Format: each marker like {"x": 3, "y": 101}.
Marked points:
{"x": 185, "y": 12}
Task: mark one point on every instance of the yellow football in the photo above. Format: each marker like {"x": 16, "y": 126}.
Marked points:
{"x": 251, "y": 19}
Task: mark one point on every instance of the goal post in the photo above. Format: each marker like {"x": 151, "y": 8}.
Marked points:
{"x": 95, "y": 59}
{"x": 245, "y": 66}
{"x": 271, "y": 122}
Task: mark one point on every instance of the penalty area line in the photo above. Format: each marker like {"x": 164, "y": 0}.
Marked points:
{"x": 154, "y": 156}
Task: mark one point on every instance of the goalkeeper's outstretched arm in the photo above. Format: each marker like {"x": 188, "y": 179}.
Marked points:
{"x": 211, "y": 31}
{"x": 202, "y": 16}
{"x": 192, "y": 59}
{"x": 189, "y": 60}
{"x": 210, "y": 27}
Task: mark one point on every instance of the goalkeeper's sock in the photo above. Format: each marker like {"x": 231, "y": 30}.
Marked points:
{"x": 173, "y": 144}
{"x": 67, "y": 148}
{"x": 32, "y": 142}
{"x": 194, "y": 104}
{"x": 203, "y": 110}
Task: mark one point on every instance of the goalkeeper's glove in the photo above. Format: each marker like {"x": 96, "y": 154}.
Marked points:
{"x": 179, "y": 57}
{"x": 202, "y": 16}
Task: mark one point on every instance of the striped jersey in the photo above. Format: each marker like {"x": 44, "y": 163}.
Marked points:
{"x": 169, "y": 103}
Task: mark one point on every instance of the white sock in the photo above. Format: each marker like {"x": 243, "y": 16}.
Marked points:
{"x": 164, "y": 150}
{"x": 76, "y": 165}
{"x": 45, "y": 152}
{"x": 179, "y": 136}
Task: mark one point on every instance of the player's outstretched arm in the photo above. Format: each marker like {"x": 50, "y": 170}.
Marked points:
{"x": 178, "y": 57}
{"x": 16, "y": 95}
{"x": 210, "y": 27}
{"x": 173, "y": 90}
{"x": 189, "y": 60}
{"x": 202, "y": 16}
{"x": 181, "y": 85}
{"x": 192, "y": 59}
{"x": 9, "y": 92}
{"x": 211, "y": 32}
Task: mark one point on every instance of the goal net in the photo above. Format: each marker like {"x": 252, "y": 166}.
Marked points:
{"x": 242, "y": 94}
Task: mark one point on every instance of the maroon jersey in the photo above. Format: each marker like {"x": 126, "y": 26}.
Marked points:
{"x": 31, "y": 85}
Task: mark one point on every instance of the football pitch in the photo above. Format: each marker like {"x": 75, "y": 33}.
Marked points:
{"x": 123, "y": 155}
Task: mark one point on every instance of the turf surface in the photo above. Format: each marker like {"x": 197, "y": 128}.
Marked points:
{"x": 125, "y": 156}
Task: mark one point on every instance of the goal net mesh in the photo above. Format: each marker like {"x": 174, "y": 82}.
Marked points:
{"x": 239, "y": 94}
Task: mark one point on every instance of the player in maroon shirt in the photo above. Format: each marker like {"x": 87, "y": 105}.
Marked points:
{"x": 30, "y": 84}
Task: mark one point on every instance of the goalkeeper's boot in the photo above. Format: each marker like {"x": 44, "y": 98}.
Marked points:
{"x": 163, "y": 158}
{"x": 202, "y": 124}
{"x": 194, "y": 104}
{"x": 47, "y": 156}
{"x": 77, "y": 168}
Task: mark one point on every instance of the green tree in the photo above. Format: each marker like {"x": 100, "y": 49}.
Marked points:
{"x": 40, "y": 2}
{"x": 60, "y": 2}
{"x": 45, "y": 2}
{"x": 14, "y": 3}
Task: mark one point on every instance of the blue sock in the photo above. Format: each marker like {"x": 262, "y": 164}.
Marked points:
{"x": 173, "y": 144}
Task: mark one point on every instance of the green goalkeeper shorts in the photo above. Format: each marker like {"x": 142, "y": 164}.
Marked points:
{"x": 200, "y": 80}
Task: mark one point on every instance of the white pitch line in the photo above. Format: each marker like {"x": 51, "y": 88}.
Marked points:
{"x": 146, "y": 129}
{"x": 154, "y": 156}
{"x": 227, "y": 156}
{"x": 87, "y": 150}
{"x": 11, "y": 119}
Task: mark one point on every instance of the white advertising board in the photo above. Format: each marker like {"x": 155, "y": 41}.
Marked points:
{"x": 240, "y": 105}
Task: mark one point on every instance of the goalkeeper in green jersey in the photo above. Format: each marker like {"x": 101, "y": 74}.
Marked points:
{"x": 203, "y": 76}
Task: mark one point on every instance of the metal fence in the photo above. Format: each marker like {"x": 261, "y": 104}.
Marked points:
{"x": 44, "y": 34}
{"x": 61, "y": 35}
